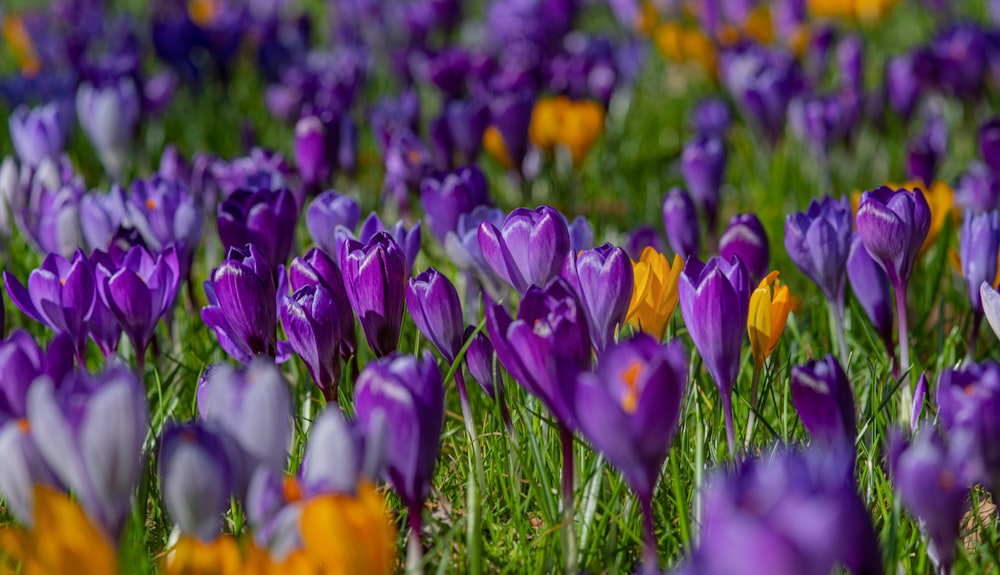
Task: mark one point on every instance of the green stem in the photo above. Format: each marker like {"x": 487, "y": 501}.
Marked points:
{"x": 568, "y": 532}
{"x": 752, "y": 419}
{"x": 837, "y": 312}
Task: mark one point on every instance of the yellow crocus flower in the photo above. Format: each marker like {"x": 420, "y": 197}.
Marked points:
{"x": 677, "y": 43}
{"x": 21, "y": 46}
{"x": 494, "y": 145}
{"x": 63, "y": 540}
{"x": 347, "y": 534}
{"x": 867, "y": 11}
{"x": 770, "y": 305}
{"x": 547, "y": 118}
{"x": 583, "y": 126}
{"x": 654, "y": 296}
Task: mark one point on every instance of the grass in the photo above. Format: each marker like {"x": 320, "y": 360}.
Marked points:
{"x": 619, "y": 187}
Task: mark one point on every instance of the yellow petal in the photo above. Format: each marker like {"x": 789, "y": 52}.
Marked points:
{"x": 191, "y": 556}
{"x": 642, "y": 280}
{"x": 759, "y": 323}
{"x": 64, "y": 540}
{"x": 494, "y": 145}
{"x": 350, "y": 534}
{"x": 781, "y": 305}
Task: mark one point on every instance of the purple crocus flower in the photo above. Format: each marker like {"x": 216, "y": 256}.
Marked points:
{"x": 446, "y": 198}
{"x": 409, "y": 240}
{"x": 166, "y": 213}
{"x": 989, "y": 144}
{"x": 24, "y": 468}
{"x": 602, "y": 279}
{"x": 980, "y": 243}
{"x": 711, "y": 118}
{"x": 407, "y": 392}
{"x": 437, "y": 312}
{"x": 310, "y": 320}
{"x": 464, "y": 250}
{"x": 49, "y": 215}
{"x": 138, "y": 290}
{"x": 407, "y": 162}
{"x": 479, "y": 357}
{"x": 641, "y": 238}
{"x": 822, "y": 396}
{"x": 465, "y": 123}
{"x": 317, "y": 269}
{"x": 978, "y": 189}
{"x": 102, "y": 216}
{"x": 581, "y": 234}
{"x": 253, "y": 407}
{"x": 851, "y": 58}
{"x": 87, "y": 427}
{"x": 242, "y": 305}
{"x": 968, "y": 400}
{"x": 196, "y": 477}
{"x": 955, "y": 61}
{"x": 902, "y": 85}
{"x": 511, "y": 115}
{"x": 38, "y": 133}
{"x": 109, "y": 115}
{"x": 932, "y": 479}
{"x": 528, "y": 249}
{"x": 629, "y": 409}
{"x": 680, "y": 221}
{"x": 310, "y": 150}
{"x": 818, "y": 241}
{"x": 746, "y": 238}
{"x": 925, "y": 153}
{"x": 763, "y": 81}
{"x": 339, "y": 453}
{"x": 60, "y": 295}
{"x": 330, "y": 215}
{"x": 265, "y": 218}
{"x": 703, "y": 165}
{"x": 715, "y": 302}
{"x": 871, "y": 286}
{"x": 375, "y": 277}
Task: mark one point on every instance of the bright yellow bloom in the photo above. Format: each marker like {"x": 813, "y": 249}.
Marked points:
{"x": 546, "y": 122}
{"x": 677, "y": 43}
{"x": 768, "y": 315}
{"x": 654, "y": 296}
{"x": 204, "y": 12}
{"x": 350, "y": 534}
{"x": 192, "y": 556}
{"x": 494, "y": 145}
{"x": 21, "y": 46}
{"x": 867, "y": 11}
{"x": 63, "y": 540}
{"x": 574, "y": 125}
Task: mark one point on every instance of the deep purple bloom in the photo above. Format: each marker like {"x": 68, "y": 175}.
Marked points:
{"x": 479, "y": 357}
{"x": 511, "y": 115}
{"x": 824, "y": 401}
{"x": 330, "y": 215}
{"x": 968, "y": 401}
{"x": 818, "y": 241}
{"x": 316, "y": 268}
{"x": 715, "y": 302}
{"x": 465, "y": 123}
{"x": 408, "y": 393}
{"x": 932, "y": 479}
{"x": 38, "y": 133}
{"x": 925, "y": 153}
{"x": 711, "y": 118}
{"x": 109, "y": 115}
{"x": 102, "y": 216}
{"x": 166, "y": 213}
{"x": 310, "y": 150}
{"x": 703, "y": 165}
{"x": 581, "y": 234}
{"x": 528, "y": 249}
{"x": 989, "y": 144}
{"x": 463, "y": 248}
{"x": 893, "y": 225}
{"x": 312, "y": 325}
{"x": 602, "y": 279}
{"x": 745, "y": 238}
{"x": 437, "y": 312}
{"x": 955, "y": 61}
{"x": 90, "y": 431}
{"x": 60, "y": 295}
{"x": 641, "y": 238}
{"x": 630, "y": 406}
{"x": 978, "y": 189}
{"x": 21, "y": 362}
{"x": 407, "y": 162}
{"x": 871, "y": 286}
{"x": 242, "y": 305}
{"x": 446, "y": 198}
{"x": 980, "y": 243}
{"x": 196, "y": 478}
{"x": 823, "y": 120}
{"x": 375, "y": 277}
{"x": 253, "y": 407}
{"x": 902, "y": 85}
{"x": 260, "y": 170}
{"x": 851, "y": 58}
{"x": 265, "y": 218}
{"x": 139, "y": 290}
{"x": 763, "y": 81}
{"x": 680, "y": 221}
{"x": 408, "y": 240}
{"x": 546, "y": 347}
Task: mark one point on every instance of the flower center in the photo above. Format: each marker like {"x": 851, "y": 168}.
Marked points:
{"x": 290, "y": 489}
{"x": 150, "y": 204}
{"x": 629, "y": 375}
{"x": 23, "y": 425}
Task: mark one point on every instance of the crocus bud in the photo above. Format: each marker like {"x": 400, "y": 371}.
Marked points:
{"x": 196, "y": 479}
{"x": 410, "y": 394}
{"x": 310, "y": 320}
{"x": 680, "y": 221}
{"x": 330, "y": 215}
{"x": 78, "y": 448}
{"x": 375, "y": 277}
{"x": 528, "y": 249}
{"x": 980, "y": 243}
{"x": 892, "y": 225}
{"x": 745, "y": 238}
{"x": 770, "y": 304}
{"x": 581, "y": 234}
{"x": 437, "y": 312}
{"x": 654, "y": 293}
{"x": 871, "y": 286}
{"x": 511, "y": 116}
{"x": 316, "y": 268}
{"x": 925, "y": 153}
{"x": 262, "y": 217}
{"x": 109, "y": 115}
{"x": 703, "y": 165}
{"x": 822, "y": 396}
{"x": 818, "y": 241}
{"x": 903, "y": 86}
{"x": 479, "y": 358}
{"x": 466, "y": 122}
{"x": 446, "y": 198}
{"x": 38, "y": 133}
{"x": 242, "y": 305}
{"x": 603, "y": 281}
{"x": 615, "y": 406}
{"x": 253, "y": 406}
{"x": 978, "y": 189}
{"x": 851, "y": 58}
{"x": 310, "y": 150}
{"x": 715, "y": 301}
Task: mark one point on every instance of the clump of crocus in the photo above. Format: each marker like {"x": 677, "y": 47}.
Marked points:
{"x": 680, "y": 221}
{"x": 770, "y": 304}
{"x": 968, "y": 401}
{"x": 528, "y": 249}
{"x": 818, "y": 241}
{"x": 745, "y": 237}
{"x": 980, "y": 243}
{"x": 655, "y": 292}
{"x": 715, "y": 301}
{"x": 822, "y": 396}
{"x": 871, "y": 287}
{"x": 892, "y": 225}
{"x": 615, "y": 407}
{"x": 603, "y": 280}
{"x": 375, "y": 277}
{"x": 242, "y": 305}
{"x": 931, "y": 477}
{"x": 409, "y": 392}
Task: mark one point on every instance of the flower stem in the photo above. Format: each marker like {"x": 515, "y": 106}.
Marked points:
{"x": 837, "y": 312}
{"x": 569, "y": 533}
{"x": 977, "y": 322}
{"x": 752, "y": 419}
{"x": 650, "y": 557}
{"x": 414, "y": 547}
{"x": 470, "y": 428}
{"x": 727, "y": 412}
{"x": 906, "y": 394}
